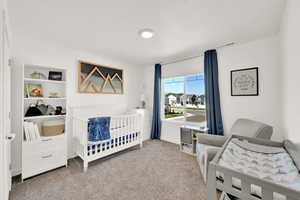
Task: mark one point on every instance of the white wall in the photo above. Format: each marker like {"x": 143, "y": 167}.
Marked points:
{"x": 29, "y": 51}
{"x": 170, "y": 129}
{"x": 34, "y": 52}
{"x": 266, "y": 107}
{"x": 290, "y": 44}
{"x": 148, "y": 91}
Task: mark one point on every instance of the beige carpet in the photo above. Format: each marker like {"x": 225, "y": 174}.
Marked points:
{"x": 158, "y": 171}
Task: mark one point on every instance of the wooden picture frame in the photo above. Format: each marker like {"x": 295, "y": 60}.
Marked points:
{"x": 244, "y": 82}
{"x": 99, "y": 79}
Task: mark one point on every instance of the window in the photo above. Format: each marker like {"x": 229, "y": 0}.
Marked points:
{"x": 184, "y": 98}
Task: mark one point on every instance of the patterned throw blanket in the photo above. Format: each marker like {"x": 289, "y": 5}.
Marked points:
{"x": 99, "y": 129}
{"x": 271, "y": 163}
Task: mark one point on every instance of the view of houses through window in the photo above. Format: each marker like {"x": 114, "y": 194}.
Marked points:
{"x": 185, "y": 98}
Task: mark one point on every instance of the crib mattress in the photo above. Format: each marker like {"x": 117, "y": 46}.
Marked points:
{"x": 272, "y": 164}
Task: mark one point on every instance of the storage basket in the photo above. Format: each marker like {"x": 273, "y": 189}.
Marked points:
{"x": 53, "y": 127}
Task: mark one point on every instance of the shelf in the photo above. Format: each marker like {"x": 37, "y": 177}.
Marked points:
{"x": 44, "y": 98}
{"x": 44, "y": 117}
{"x": 43, "y": 81}
{"x": 42, "y": 67}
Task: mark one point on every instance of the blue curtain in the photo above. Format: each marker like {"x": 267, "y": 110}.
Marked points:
{"x": 156, "y": 119}
{"x": 212, "y": 95}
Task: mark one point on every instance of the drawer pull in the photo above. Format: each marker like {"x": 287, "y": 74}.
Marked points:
{"x": 46, "y": 140}
{"x": 48, "y": 156}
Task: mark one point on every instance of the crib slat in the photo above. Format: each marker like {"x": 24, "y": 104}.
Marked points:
{"x": 132, "y": 124}
{"x": 246, "y": 187}
{"x": 137, "y": 123}
{"x": 138, "y": 129}
{"x": 112, "y": 125}
{"x": 84, "y": 132}
{"x": 118, "y": 130}
{"x": 129, "y": 124}
{"x": 132, "y": 129}
{"x": 266, "y": 193}
{"x": 228, "y": 180}
{"x": 129, "y": 128}
{"x": 126, "y": 129}
{"x": 98, "y": 148}
{"x": 113, "y": 130}
{"x": 137, "y": 119}
{"x": 123, "y": 130}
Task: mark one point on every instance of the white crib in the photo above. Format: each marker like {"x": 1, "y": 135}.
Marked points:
{"x": 125, "y": 132}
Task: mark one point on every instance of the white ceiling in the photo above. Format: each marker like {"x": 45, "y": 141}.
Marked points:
{"x": 110, "y": 27}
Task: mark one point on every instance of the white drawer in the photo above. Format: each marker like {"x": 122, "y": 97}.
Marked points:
{"x": 44, "y": 155}
{"x": 42, "y": 161}
{"x": 45, "y": 144}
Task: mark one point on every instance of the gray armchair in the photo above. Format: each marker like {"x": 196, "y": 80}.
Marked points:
{"x": 208, "y": 145}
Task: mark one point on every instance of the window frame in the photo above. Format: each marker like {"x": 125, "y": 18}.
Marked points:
{"x": 175, "y": 119}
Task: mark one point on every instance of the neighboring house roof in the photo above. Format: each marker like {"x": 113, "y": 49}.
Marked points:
{"x": 171, "y": 97}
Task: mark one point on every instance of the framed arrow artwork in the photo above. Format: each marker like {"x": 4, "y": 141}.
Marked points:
{"x": 99, "y": 79}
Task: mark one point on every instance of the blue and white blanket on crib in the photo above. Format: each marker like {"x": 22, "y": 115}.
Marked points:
{"x": 98, "y": 129}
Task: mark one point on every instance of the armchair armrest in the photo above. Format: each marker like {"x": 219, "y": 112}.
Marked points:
{"x": 211, "y": 153}
{"x": 212, "y": 140}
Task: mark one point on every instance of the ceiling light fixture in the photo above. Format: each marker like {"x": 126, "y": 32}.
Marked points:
{"x": 146, "y": 33}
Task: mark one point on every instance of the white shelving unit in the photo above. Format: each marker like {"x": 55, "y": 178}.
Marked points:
{"x": 43, "y": 81}
{"x": 44, "y": 98}
{"x": 44, "y": 153}
{"x": 44, "y": 117}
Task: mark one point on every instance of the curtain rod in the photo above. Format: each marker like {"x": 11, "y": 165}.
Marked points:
{"x": 192, "y": 57}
